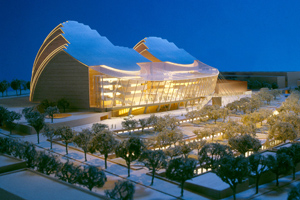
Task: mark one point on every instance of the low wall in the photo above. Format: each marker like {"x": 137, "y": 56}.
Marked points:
{"x": 11, "y": 166}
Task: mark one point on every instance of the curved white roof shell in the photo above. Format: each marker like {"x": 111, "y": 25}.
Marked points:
{"x": 90, "y": 48}
{"x": 97, "y": 52}
{"x": 167, "y": 51}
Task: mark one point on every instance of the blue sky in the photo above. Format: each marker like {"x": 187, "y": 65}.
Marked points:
{"x": 231, "y": 35}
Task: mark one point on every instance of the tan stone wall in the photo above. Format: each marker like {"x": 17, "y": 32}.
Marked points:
{"x": 64, "y": 77}
{"x": 230, "y": 86}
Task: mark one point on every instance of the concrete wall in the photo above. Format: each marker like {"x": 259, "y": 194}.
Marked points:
{"x": 64, "y": 77}
{"x": 292, "y": 79}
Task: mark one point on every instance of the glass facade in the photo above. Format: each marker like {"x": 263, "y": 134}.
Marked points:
{"x": 111, "y": 92}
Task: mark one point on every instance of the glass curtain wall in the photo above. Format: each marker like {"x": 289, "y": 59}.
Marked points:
{"x": 119, "y": 92}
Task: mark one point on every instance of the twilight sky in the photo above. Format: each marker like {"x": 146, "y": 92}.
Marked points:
{"x": 231, "y": 35}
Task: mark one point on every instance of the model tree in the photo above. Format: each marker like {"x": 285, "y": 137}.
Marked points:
{"x": 63, "y": 104}
{"x": 51, "y": 111}
{"x": 68, "y": 172}
{"x": 198, "y": 145}
{"x": 257, "y": 165}
{"x": 66, "y": 134}
{"x": 143, "y": 123}
{"x": 4, "y": 85}
{"x": 186, "y": 149}
{"x": 98, "y": 127}
{"x": 173, "y": 152}
{"x": 49, "y": 132}
{"x": 294, "y": 194}
{"x": 35, "y": 119}
{"x": 92, "y": 177}
{"x": 23, "y": 86}
{"x": 15, "y": 85}
{"x": 3, "y": 114}
{"x": 123, "y": 189}
{"x": 181, "y": 169}
{"x": 11, "y": 116}
{"x": 244, "y": 143}
{"x": 192, "y": 115}
{"x": 279, "y": 164}
{"x": 28, "y": 85}
{"x": 294, "y": 152}
{"x": 129, "y": 150}
{"x": 282, "y": 131}
{"x": 202, "y": 133}
{"x": 211, "y": 154}
{"x": 83, "y": 140}
{"x": 129, "y": 124}
{"x": 29, "y": 154}
{"x": 46, "y": 163}
{"x": 153, "y": 160}
{"x": 233, "y": 170}
{"x": 105, "y": 143}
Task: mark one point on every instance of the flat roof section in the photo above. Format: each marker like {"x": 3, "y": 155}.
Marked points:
{"x": 28, "y": 184}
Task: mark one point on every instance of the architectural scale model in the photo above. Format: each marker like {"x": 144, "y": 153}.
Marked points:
{"x": 76, "y": 63}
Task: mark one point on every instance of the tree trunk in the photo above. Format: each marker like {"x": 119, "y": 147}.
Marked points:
{"x": 294, "y": 171}
{"x": 153, "y": 173}
{"x": 51, "y": 144}
{"x": 256, "y": 184}
{"x": 66, "y": 148}
{"x": 277, "y": 176}
{"x": 38, "y": 136}
{"x": 128, "y": 168}
{"x": 182, "y": 183}
{"x": 105, "y": 160}
{"x": 234, "y": 191}
{"x": 85, "y": 156}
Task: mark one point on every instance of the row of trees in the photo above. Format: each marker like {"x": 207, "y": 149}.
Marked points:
{"x": 234, "y": 170}
{"x": 88, "y": 176}
{"x": 16, "y": 85}
{"x": 286, "y": 124}
{"x": 62, "y": 104}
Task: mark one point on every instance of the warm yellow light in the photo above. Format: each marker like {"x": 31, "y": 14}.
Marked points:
{"x": 275, "y": 112}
